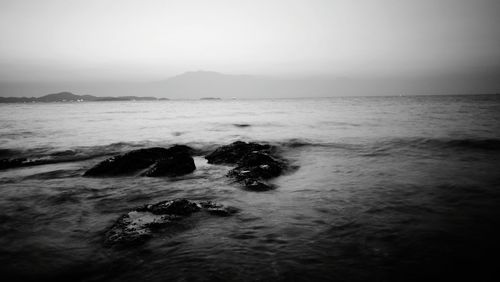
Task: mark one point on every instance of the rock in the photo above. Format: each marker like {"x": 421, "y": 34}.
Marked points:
{"x": 232, "y": 153}
{"x": 241, "y": 125}
{"x": 140, "y": 224}
{"x": 261, "y": 165}
{"x": 181, "y": 149}
{"x": 217, "y": 209}
{"x": 173, "y": 207}
{"x": 128, "y": 163}
{"x": 135, "y": 227}
{"x": 255, "y": 162}
{"x": 172, "y": 166}
{"x": 173, "y": 161}
{"x": 12, "y": 163}
{"x": 256, "y": 185}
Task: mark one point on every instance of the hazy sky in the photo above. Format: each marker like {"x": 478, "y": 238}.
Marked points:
{"x": 64, "y": 40}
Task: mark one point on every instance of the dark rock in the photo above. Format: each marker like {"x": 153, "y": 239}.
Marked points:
{"x": 172, "y": 166}
{"x": 217, "y": 209}
{"x": 181, "y": 149}
{"x": 12, "y": 163}
{"x": 140, "y": 224}
{"x": 173, "y": 207}
{"x": 233, "y": 153}
{"x": 241, "y": 125}
{"x": 256, "y": 185}
{"x": 256, "y": 163}
{"x": 25, "y": 162}
{"x": 261, "y": 165}
{"x": 128, "y": 163}
{"x": 173, "y": 161}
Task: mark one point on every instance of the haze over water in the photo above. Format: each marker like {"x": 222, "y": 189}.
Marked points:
{"x": 387, "y": 188}
{"x": 341, "y": 47}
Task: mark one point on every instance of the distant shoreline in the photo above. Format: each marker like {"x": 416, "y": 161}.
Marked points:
{"x": 68, "y": 97}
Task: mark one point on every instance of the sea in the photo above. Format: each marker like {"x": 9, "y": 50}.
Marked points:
{"x": 402, "y": 188}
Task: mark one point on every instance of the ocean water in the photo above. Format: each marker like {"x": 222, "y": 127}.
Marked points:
{"x": 387, "y": 189}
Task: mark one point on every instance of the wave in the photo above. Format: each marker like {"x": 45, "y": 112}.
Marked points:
{"x": 377, "y": 147}
{"x": 481, "y": 144}
{"x": 12, "y": 158}
{"x": 443, "y": 143}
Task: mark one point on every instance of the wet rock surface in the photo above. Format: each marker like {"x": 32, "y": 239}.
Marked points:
{"x": 255, "y": 162}
{"x": 217, "y": 209}
{"x": 178, "y": 162}
{"x": 234, "y": 152}
{"x": 158, "y": 161}
{"x": 140, "y": 224}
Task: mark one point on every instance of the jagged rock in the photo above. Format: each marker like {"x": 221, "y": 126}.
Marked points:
{"x": 141, "y": 223}
{"x": 255, "y": 163}
{"x": 232, "y": 153}
{"x": 260, "y": 165}
{"x": 173, "y": 207}
{"x": 173, "y": 161}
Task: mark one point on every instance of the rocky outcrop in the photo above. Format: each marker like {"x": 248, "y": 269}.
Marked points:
{"x": 234, "y": 152}
{"x": 255, "y": 168}
{"x": 256, "y": 163}
{"x": 158, "y": 161}
{"x": 177, "y": 162}
{"x": 143, "y": 222}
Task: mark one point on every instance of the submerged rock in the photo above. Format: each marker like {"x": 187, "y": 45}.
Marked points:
{"x": 173, "y": 207}
{"x": 257, "y": 185}
{"x": 261, "y": 165}
{"x": 141, "y": 223}
{"x": 24, "y": 162}
{"x": 241, "y": 125}
{"x": 255, "y": 162}
{"x": 173, "y": 161}
{"x": 12, "y": 163}
{"x": 217, "y": 209}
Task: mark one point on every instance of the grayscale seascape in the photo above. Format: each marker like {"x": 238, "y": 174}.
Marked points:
{"x": 250, "y": 140}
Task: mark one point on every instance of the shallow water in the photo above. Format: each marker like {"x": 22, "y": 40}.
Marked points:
{"x": 388, "y": 189}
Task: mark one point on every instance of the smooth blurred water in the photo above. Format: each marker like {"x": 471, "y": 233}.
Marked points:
{"x": 388, "y": 189}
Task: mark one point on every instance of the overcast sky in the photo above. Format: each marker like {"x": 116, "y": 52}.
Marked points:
{"x": 147, "y": 40}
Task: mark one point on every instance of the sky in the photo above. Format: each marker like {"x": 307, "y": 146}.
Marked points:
{"x": 436, "y": 46}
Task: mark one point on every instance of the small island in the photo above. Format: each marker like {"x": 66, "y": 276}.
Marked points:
{"x": 210, "y": 98}
{"x": 70, "y": 97}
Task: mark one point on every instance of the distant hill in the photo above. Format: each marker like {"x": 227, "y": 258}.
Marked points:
{"x": 70, "y": 97}
{"x": 207, "y": 84}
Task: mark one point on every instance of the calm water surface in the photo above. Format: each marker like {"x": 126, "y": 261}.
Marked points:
{"x": 388, "y": 189}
